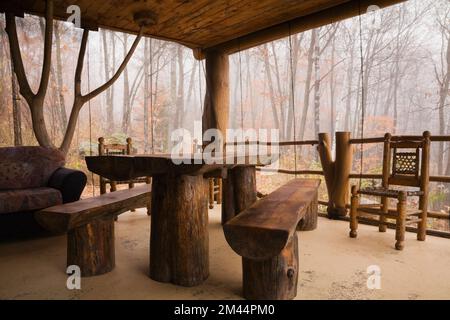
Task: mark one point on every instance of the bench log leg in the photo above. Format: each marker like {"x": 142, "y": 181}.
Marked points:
{"x": 239, "y": 191}
{"x": 91, "y": 247}
{"x": 309, "y": 221}
{"x": 179, "y": 242}
{"x": 272, "y": 279}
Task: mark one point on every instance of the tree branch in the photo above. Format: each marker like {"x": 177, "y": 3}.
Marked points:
{"x": 106, "y": 85}
{"x": 48, "y": 40}
{"x": 11, "y": 30}
{"x": 80, "y": 63}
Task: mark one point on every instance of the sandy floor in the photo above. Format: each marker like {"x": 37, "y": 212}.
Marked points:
{"x": 332, "y": 266}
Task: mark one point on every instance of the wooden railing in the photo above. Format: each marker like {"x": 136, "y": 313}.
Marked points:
{"x": 353, "y": 175}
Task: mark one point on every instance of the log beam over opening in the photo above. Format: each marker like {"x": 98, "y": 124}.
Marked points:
{"x": 315, "y": 20}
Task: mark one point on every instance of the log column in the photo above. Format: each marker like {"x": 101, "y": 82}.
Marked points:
{"x": 239, "y": 191}
{"x": 91, "y": 247}
{"x": 179, "y": 230}
{"x": 272, "y": 279}
{"x": 217, "y": 100}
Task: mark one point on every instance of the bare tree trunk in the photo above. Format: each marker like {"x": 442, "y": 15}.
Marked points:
{"x": 349, "y": 98}
{"x": 357, "y": 107}
{"x": 292, "y": 80}
{"x": 250, "y": 92}
{"x": 17, "y": 118}
{"x": 191, "y": 87}
{"x": 332, "y": 89}
{"x": 59, "y": 81}
{"x": 173, "y": 116}
{"x": 126, "y": 113}
{"x": 56, "y": 91}
{"x": 388, "y": 100}
{"x": 316, "y": 89}
{"x": 107, "y": 70}
{"x": 283, "y": 122}
{"x": 312, "y": 46}
{"x": 35, "y": 100}
{"x": 443, "y": 93}
{"x": 395, "y": 95}
{"x": 79, "y": 99}
{"x": 16, "y": 112}
{"x": 378, "y": 92}
{"x": 276, "y": 120}
{"x": 154, "y": 92}
{"x": 147, "y": 91}
{"x": 396, "y": 81}
{"x": 180, "y": 94}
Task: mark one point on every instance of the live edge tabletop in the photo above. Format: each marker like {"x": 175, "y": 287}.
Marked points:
{"x": 179, "y": 239}
{"x": 124, "y": 167}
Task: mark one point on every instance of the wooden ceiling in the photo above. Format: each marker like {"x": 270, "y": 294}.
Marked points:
{"x": 194, "y": 23}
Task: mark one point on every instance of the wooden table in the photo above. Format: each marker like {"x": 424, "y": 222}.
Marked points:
{"x": 179, "y": 241}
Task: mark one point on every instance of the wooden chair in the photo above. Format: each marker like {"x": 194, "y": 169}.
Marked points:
{"x": 118, "y": 149}
{"x": 215, "y": 191}
{"x": 405, "y": 163}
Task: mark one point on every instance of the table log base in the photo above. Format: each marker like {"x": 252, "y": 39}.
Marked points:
{"x": 179, "y": 242}
{"x": 239, "y": 191}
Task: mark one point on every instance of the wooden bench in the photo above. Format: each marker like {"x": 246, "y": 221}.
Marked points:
{"x": 90, "y": 226}
{"x": 264, "y": 235}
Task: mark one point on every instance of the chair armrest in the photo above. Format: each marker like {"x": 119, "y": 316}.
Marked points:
{"x": 69, "y": 182}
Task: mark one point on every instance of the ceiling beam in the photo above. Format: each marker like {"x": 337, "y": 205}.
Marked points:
{"x": 340, "y": 12}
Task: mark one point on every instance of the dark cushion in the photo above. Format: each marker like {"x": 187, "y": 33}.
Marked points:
{"x": 29, "y": 199}
{"x": 69, "y": 182}
{"x": 28, "y": 167}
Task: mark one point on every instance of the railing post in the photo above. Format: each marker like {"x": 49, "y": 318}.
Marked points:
{"x": 337, "y": 173}
{"x": 324, "y": 150}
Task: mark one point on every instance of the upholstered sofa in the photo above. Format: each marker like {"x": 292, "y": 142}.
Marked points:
{"x": 31, "y": 179}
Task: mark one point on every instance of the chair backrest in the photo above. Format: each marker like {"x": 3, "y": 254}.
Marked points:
{"x": 406, "y": 161}
{"x": 114, "y": 148}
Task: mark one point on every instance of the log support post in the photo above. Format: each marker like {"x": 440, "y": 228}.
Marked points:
{"x": 91, "y": 247}
{"x": 275, "y": 278}
{"x": 239, "y": 191}
{"x": 337, "y": 172}
{"x": 179, "y": 230}
{"x": 217, "y": 100}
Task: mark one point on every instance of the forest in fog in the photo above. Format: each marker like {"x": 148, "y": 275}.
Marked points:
{"x": 392, "y": 65}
